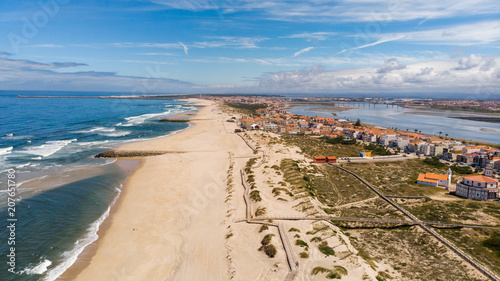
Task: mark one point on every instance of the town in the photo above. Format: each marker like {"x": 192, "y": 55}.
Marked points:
{"x": 383, "y": 144}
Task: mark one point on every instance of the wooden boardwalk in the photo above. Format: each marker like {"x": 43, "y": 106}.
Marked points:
{"x": 425, "y": 227}
{"x": 290, "y": 256}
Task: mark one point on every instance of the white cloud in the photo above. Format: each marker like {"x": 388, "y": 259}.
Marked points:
{"x": 484, "y": 32}
{"x": 230, "y": 42}
{"x": 343, "y": 10}
{"x": 380, "y": 41}
{"x": 313, "y": 36}
{"x": 186, "y": 49}
{"x": 29, "y": 75}
{"x": 303, "y": 51}
{"x": 390, "y": 65}
{"x": 391, "y": 77}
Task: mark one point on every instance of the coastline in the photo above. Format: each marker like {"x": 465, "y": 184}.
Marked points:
{"x": 83, "y": 259}
{"x": 130, "y": 166}
{"x": 169, "y": 217}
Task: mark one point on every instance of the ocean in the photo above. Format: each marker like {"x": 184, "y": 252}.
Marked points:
{"x": 63, "y": 193}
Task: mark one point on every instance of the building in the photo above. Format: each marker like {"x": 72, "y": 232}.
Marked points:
{"x": 434, "y": 179}
{"x": 320, "y": 159}
{"x": 331, "y": 159}
{"x": 365, "y": 154}
{"x": 478, "y": 187}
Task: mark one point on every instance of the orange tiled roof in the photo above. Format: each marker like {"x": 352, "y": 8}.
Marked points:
{"x": 480, "y": 178}
{"x": 421, "y": 177}
{"x": 436, "y": 176}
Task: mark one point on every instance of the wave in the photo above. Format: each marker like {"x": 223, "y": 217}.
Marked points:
{"x": 92, "y": 143}
{"x": 70, "y": 256}
{"x": 37, "y": 269}
{"x": 15, "y": 137}
{"x": 47, "y": 148}
{"x": 104, "y": 131}
{"x": 23, "y": 165}
{"x": 6, "y": 150}
{"x": 140, "y": 119}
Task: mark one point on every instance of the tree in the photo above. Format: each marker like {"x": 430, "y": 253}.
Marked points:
{"x": 446, "y": 135}
{"x": 416, "y": 130}
{"x": 440, "y": 133}
{"x": 358, "y": 123}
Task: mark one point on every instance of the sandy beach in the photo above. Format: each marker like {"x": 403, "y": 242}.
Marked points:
{"x": 169, "y": 222}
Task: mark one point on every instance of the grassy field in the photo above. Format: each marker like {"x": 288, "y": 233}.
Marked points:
{"x": 470, "y": 240}
{"x": 312, "y": 146}
{"x": 411, "y": 252}
{"x": 399, "y": 177}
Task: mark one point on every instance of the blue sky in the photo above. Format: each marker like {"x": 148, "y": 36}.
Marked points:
{"x": 319, "y": 46}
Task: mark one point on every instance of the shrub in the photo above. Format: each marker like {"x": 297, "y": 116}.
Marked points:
{"x": 325, "y": 249}
{"x": 304, "y": 255}
{"x": 263, "y": 227}
{"x": 293, "y": 229}
{"x": 301, "y": 243}
{"x": 267, "y": 239}
{"x": 434, "y": 161}
{"x": 464, "y": 170}
{"x": 270, "y": 251}
{"x": 255, "y": 196}
{"x": 493, "y": 242}
{"x": 316, "y": 239}
{"x": 319, "y": 269}
{"x": 260, "y": 211}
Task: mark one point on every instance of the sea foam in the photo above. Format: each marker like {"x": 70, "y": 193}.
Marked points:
{"x": 47, "y": 148}
{"x": 37, "y": 269}
{"x": 69, "y": 257}
{"x": 6, "y": 150}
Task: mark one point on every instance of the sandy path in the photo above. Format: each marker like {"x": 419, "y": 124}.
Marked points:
{"x": 169, "y": 224}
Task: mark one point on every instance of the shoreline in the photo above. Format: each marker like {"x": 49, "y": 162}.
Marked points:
{"x": 130, "y": 166}
{"x": 84, "y": 258}
{"x": 147, "y": 234}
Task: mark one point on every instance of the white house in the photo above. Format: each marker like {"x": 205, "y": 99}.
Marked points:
{"x": 435, "y": 179}
{"x": 478, "y": 187}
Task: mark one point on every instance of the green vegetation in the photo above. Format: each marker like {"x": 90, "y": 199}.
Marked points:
{"x": 424, "y": 258}
{"x": 325, "y": 249}
{"x": 482, "y": 244}
{"x": 459, "y": 211}
{"x": 260, "y": 211}
{"x": 246, "y": 108}
{"x": 263, "y": 227}
{"x": 293, "y": 229}
{"x": 301, "y": 243}
{"x": 267, "y": 239}
{"x": 398, "y": 178}
{"x": 255, "y": 196}
{"x": 269, "y": 250}
{"x": 377, "y": 149}
{"x": 493, "y": 242}
{"x": 312, "y": 146}
{"x": 435, "y": 162}
{"x": 319, "y": 269}
{"x": 304, "y": 255}
{"x": 341, "y": 140}
{"x": 277, "y": 191}
{"x": 336, "y": 273}
{"x": 267, "y": 247}
{"x": 316, "y": 239}
{"x": 464, "y": 170}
